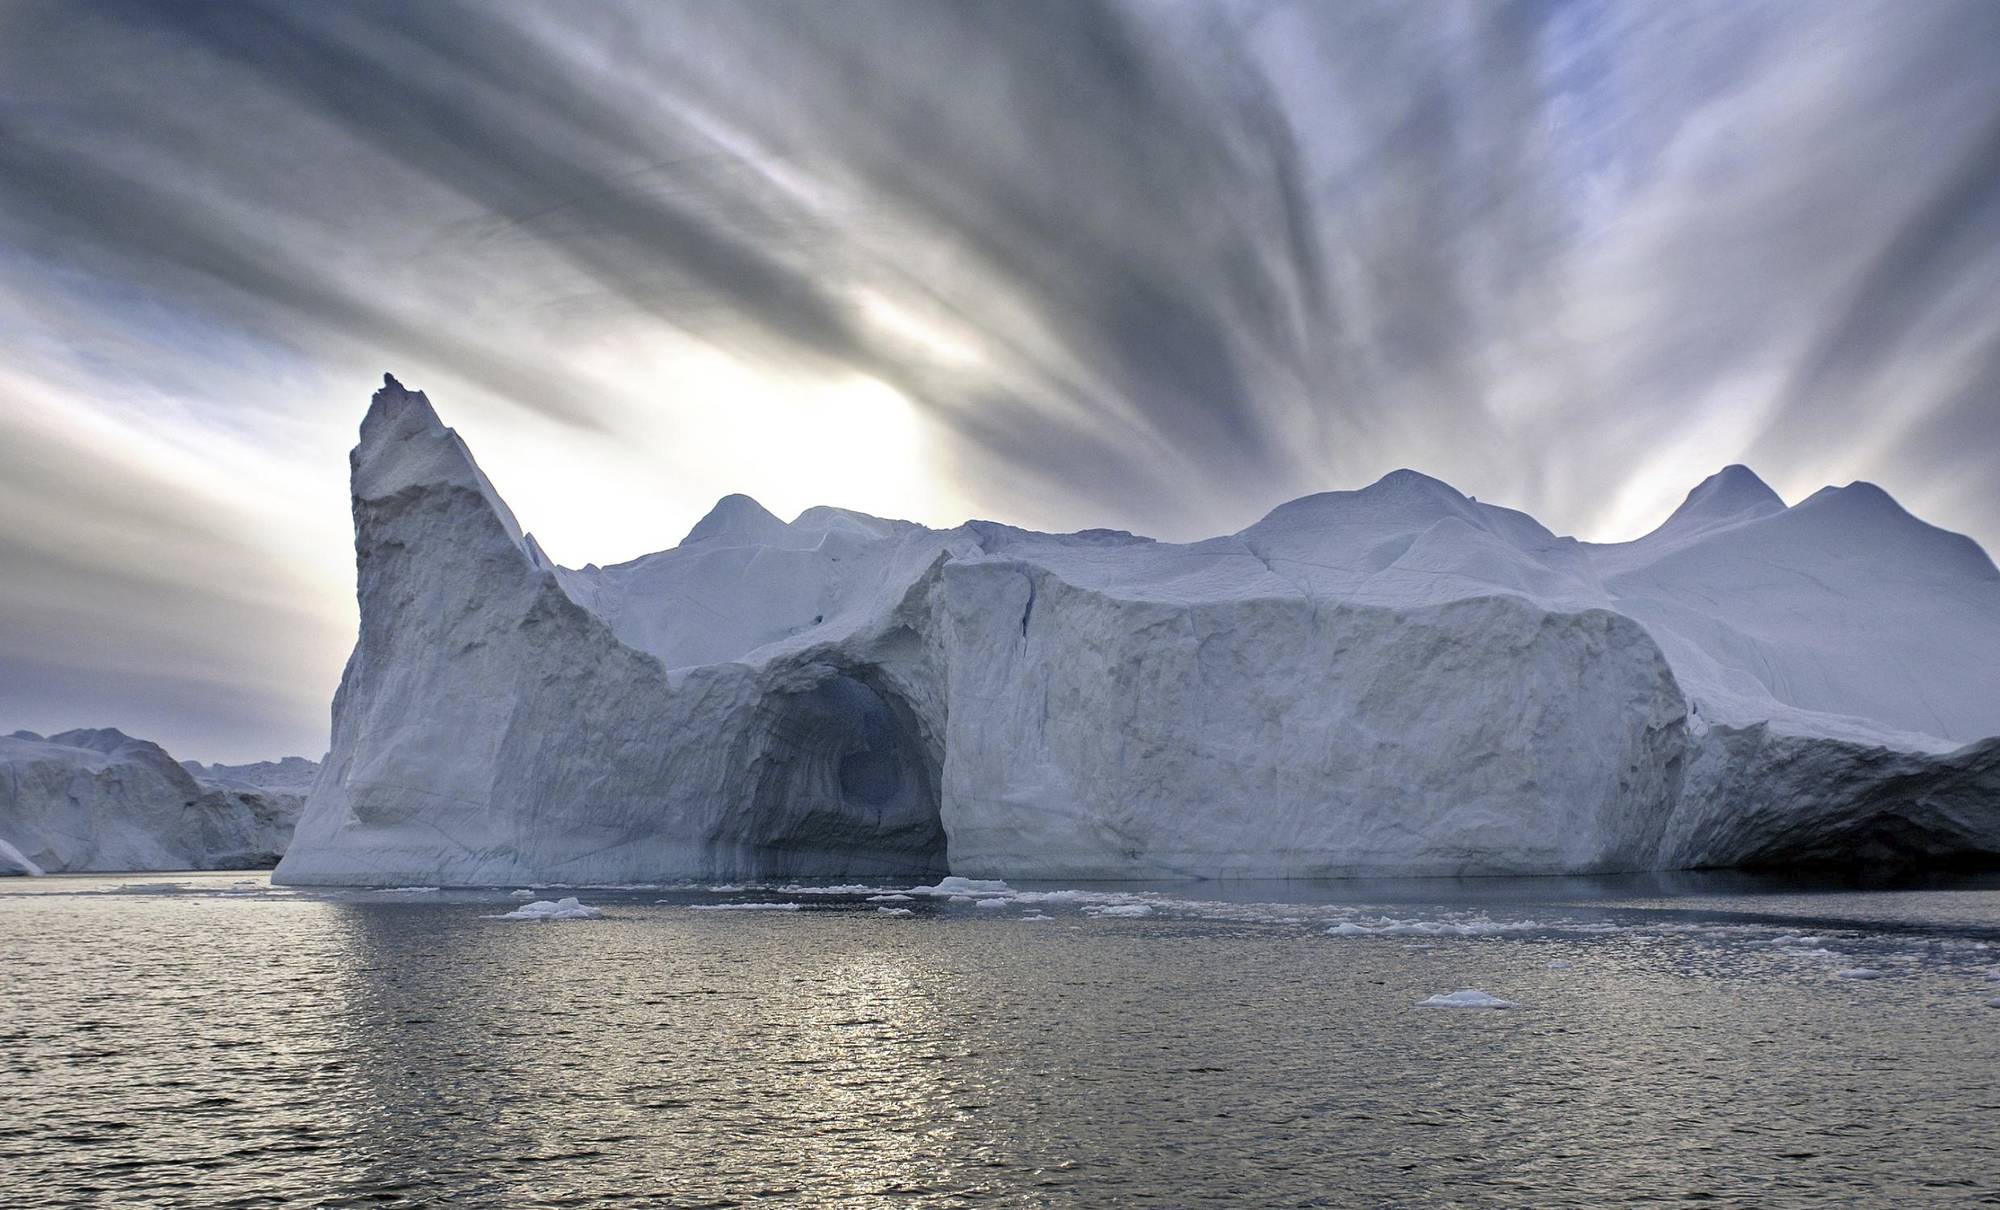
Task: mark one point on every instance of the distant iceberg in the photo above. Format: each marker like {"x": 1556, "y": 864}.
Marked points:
{"x": 98, "y": 799}
{"x": 1397, "y": 680}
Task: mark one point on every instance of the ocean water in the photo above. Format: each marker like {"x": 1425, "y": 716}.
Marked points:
{"x": 207, "y": 1040}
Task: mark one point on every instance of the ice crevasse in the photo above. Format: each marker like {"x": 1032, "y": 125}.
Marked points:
{"x": 1394, "y": 680}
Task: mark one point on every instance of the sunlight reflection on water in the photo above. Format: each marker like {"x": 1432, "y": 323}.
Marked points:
{"x": 168, "y": 1044}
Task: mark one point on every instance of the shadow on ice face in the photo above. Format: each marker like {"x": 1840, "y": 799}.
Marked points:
{"x": 845, "y": 784}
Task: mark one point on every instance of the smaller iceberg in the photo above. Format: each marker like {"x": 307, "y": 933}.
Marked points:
{"x": 560, "y": 909}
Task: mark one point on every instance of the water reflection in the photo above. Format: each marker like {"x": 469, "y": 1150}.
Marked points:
{"x": 349, "y": 1048}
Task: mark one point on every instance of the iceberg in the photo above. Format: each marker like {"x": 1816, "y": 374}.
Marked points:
{"x": 559, "y": 909}
{"x": 98, "y": 799}
{"x": 1395, "y": 680}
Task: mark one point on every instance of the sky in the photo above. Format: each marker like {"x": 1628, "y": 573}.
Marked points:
{"x": 1157, "y": 266}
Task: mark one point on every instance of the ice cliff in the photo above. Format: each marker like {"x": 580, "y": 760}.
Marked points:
{"x": 101, "y": 800}
{"x": 1395, "y": 680}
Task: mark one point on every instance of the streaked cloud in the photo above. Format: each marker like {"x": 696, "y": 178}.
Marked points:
{"x": 1058, "y": 263}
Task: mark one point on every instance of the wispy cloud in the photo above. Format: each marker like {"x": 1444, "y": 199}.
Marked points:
{"x": 1062, "y": 263}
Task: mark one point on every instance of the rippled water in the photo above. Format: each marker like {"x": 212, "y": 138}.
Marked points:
{"x": 193, "y": 1040}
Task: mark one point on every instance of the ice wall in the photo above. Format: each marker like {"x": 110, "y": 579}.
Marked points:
{"x": 1396, "y": 680}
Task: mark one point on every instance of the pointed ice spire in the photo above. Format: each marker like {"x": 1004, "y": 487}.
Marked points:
{"x": 404, "y": 446}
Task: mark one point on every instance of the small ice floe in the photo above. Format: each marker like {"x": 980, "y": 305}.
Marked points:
{"x": 1035, "y": 918}
{"x": 894, "y": 898}
{"x": 560, "y": 909}
{"x": 742, "y": 907}
{"x": 961, "y": 899}
{"x": 845, "y": 888}
{"x": 405, "y": 890}
{"x": 1120, "y": 909}
{"x": 1859, "y": 972}
{"x": 726, "y": 888}
{"x": 888, "y": 911}
{"x": 995, "y": 903}
{"x": 521, "y": 894}
{"x": 1465, "y": 997}
{"x": 1562, "y": 964}
{"x": 1994, "y": 1002}
{"x": 967, "y": 887}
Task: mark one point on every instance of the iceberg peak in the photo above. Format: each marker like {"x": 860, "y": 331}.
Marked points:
{"x": 737, "y": 520}
{"x": 1732, "y": 494}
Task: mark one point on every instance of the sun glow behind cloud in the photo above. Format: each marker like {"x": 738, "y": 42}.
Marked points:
{"x": 1068, "y": 264}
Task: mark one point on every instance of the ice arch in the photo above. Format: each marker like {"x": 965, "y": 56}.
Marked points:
{"x": 844, "y": 783}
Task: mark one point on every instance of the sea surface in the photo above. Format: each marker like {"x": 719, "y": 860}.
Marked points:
{"x": 208, "y": 1040}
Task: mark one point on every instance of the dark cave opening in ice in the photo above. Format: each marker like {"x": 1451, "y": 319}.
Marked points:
{"x": 846, "y": 784}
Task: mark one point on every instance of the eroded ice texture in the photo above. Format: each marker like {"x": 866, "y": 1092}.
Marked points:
{"x": 1397, "y": 680}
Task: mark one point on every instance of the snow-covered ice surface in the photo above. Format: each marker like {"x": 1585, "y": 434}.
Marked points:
{"x": 1394, "y": 680}
{"x": 1221, "y": 1047}
{"x": 101, "y": 800}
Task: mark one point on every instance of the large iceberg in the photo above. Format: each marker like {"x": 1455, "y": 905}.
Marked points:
{"x": 98, "y": 799}
{"x": 1395, "y": 680}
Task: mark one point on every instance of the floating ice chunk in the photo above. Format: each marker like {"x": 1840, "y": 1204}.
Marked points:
{"x": 1120, "y": 909}
{"x": 889, "y": 898}
{"x": 543, "y": 909}
{"x": 995, "y": 903}
{"x": 1994, "y": 1002}
{"x": 404, "y": 890}
{"x": 961, "y": 899}
{"x": 886, "y": 911}
{"x": 743, "y": 907}
{"x": 1859, "y": 972}
{"x": 521, "y": 894}
{"x": 845, "y": 888}
{"x": 1037, "y": 919}
{"x": 1347, "y": 928}
{"x": 1466, "y": 997}
{"x": 726, "y": 888}
{"x": 954, "y": 885}
{"x": 1562, "y": 964}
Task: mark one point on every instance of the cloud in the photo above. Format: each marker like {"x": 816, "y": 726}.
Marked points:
{"x": 1152, "y": 266}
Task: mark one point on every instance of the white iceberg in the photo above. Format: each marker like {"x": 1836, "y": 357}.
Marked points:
{"x": 1468, "y": 997}
{"x": 98, "y": 799}
{"x": 1397, "y": 680}
{"x": 560, "y": 909}
{"x": 1859, "y": 972}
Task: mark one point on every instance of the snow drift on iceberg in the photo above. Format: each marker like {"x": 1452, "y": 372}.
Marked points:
{"x": 1395, "y": 680}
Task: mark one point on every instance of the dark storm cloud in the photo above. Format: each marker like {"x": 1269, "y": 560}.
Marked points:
{"x": 1208, "y": 256}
